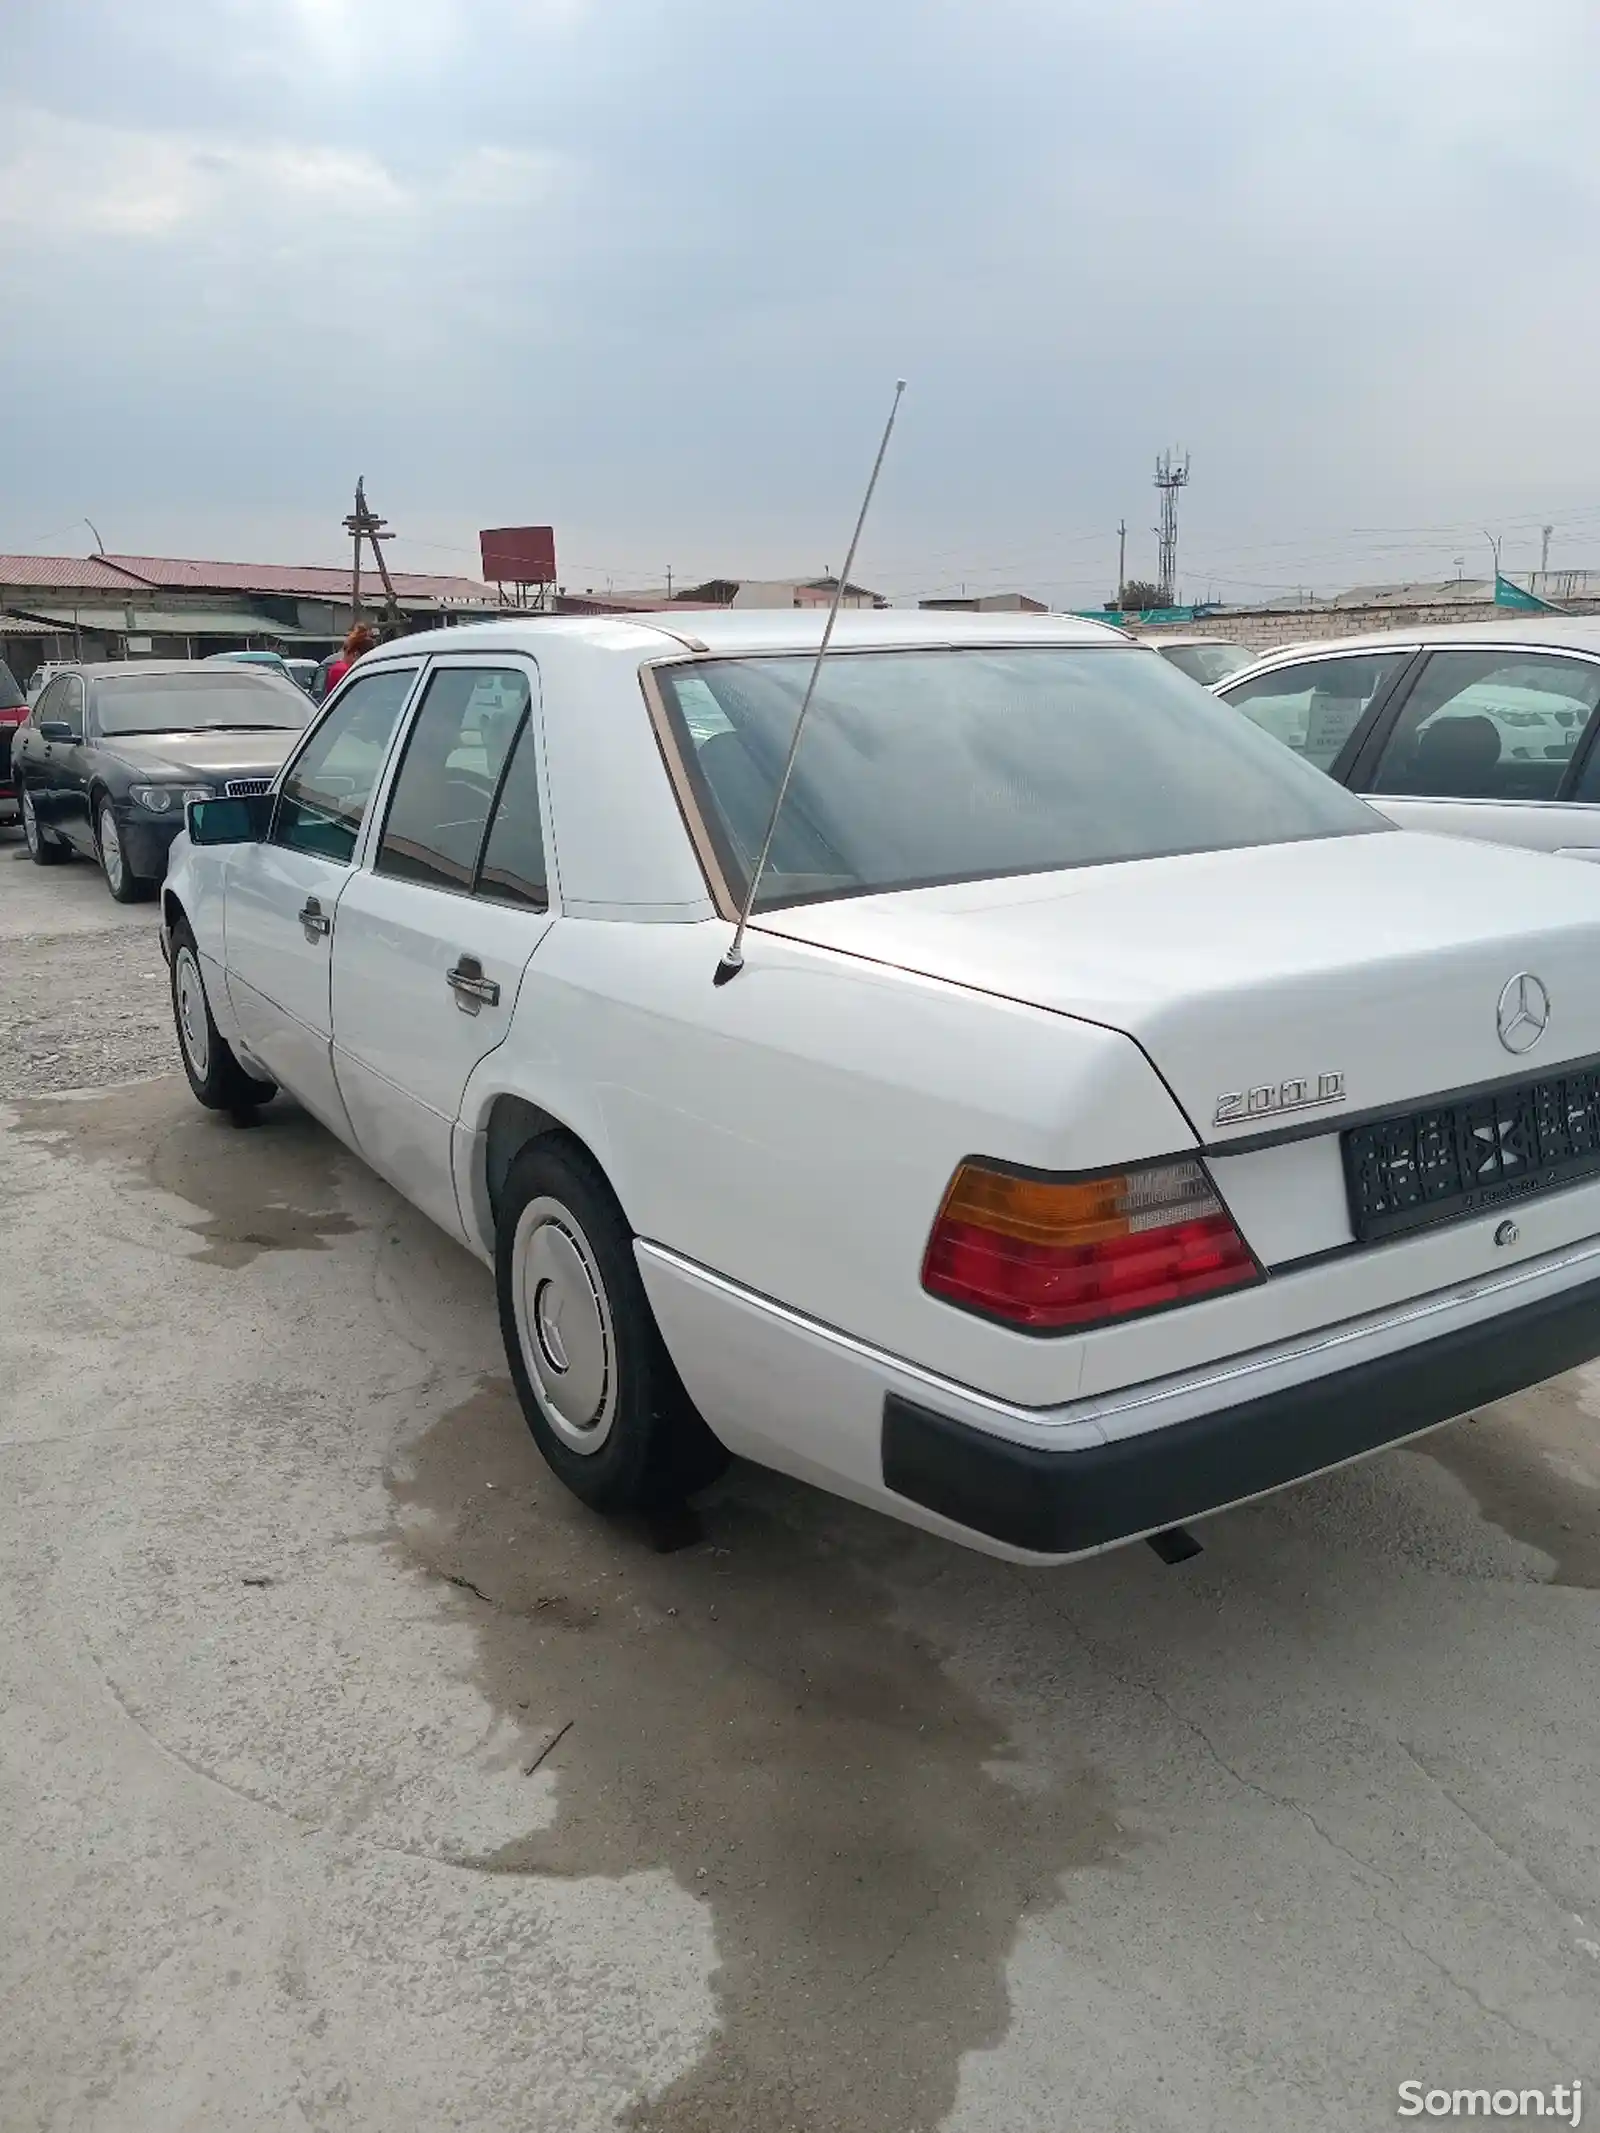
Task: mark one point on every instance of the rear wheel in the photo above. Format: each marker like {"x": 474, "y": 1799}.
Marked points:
{"x": 597, "y": 1387}
{"x": 125, "y": 885}
{"x": 215, "y": 1075}
{"x": 42, "y": 850}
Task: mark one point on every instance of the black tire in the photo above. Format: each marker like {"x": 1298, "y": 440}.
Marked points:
{"x": 565, "y": 1272}
{"x": 215, "y": 1075}
{"x": 42, "y": 848}
{"x": 125, "y": 885}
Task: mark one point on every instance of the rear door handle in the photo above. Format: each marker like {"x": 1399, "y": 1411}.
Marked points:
{"x": 472, "y": 989}
{"x": 315, "y": 920}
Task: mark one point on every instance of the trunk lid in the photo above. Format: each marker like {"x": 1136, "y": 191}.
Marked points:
{"x": 1377, "y": 959}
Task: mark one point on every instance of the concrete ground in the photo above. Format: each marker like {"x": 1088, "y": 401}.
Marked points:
{"x": 352, "y": 1776}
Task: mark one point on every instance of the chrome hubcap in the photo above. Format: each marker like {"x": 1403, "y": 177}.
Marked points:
{"x": 111, "y": 849}
{"x": 191, "y": 999}
{"x": 564, "y": 1325}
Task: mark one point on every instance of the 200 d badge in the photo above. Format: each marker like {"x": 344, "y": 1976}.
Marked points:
{"x": 1270, "y": 1099}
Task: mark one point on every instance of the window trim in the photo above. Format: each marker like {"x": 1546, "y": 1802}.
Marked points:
{"x": 460, "y": 665}
{"x": 1377, "y": 739}
{"x": 380, "y": 781}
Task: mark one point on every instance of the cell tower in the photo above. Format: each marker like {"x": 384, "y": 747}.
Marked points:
{"x": 1169, "y": 480}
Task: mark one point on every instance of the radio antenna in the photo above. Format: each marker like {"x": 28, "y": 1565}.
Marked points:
{"x": 733, "y": 962}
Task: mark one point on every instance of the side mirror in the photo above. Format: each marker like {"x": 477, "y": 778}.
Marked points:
{"x": 55, "y": 729}
{"x": 229, "y": 821}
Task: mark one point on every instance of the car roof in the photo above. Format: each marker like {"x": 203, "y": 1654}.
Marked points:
{"x": 732, "y": 632}
{"x": 115, "y": 669}
{"x": 1161, "y": 637}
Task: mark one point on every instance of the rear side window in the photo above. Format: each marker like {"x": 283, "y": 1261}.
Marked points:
{"x": 513, "y": 870}
{"x": 1315, "y": 705}
{"x": 968, "y": 763}
{"x": 11, "y": 696}
{"x": 455, "y": 753}
{"x": 1489, "y": 726}
{"x": 324, "y": 798}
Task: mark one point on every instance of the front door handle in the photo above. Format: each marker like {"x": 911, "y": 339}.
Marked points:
{"x": 315, "y": 920}
{"x": 471, "y": 988}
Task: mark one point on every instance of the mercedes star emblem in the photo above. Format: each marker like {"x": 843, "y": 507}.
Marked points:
{"x": 1524, "y": 1013}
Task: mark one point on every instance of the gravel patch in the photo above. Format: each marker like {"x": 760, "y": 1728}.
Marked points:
{"x": 82, "y": 1010}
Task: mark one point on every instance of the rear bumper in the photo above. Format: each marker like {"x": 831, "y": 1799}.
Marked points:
{"x": 1050, "y": 1484}
{"x": 1064, "y": 1503}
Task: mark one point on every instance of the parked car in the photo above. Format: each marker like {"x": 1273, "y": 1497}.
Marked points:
{"x": 302, "y": 672}
{"x": 13, "y": 710}
{"x": 110, "y": 753}
{"x": 1111, "y": 1118}
{"x": 274, "y": 662}
{"x": 1480, "y": 729}
{"x": 1206, "y": 660}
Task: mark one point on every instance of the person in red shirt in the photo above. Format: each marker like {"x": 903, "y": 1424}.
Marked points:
{"x": 359, "y": 640}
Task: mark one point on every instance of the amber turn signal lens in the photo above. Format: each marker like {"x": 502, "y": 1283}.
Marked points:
{"x": 1046, "y": 1252}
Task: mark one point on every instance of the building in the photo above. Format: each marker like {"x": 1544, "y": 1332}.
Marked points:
{"x": 172, "y": 607}
{"x": 718, "y": 592}
{"x": 989, "y": 604}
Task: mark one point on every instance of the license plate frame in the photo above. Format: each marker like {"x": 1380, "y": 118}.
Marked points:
{"x": 1471, "y": 1155}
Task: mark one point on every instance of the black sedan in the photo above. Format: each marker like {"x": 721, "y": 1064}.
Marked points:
{"x": 109, "y": 755}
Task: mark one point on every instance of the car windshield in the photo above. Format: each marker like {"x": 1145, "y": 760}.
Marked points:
{"x": 1207, "y": 663}
{"x": 961, "y": 764}
{"x": 184, "y": 703}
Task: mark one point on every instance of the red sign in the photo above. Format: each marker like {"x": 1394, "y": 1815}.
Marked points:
{"x": 519, "y": 555}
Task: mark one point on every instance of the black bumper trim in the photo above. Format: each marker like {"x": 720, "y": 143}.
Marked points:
{"x": 1059, "y": 1503}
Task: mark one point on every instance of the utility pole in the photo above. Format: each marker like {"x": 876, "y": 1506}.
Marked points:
{"x": 669, "y": 581}
{"x": 1170, "y": 479}
{"x": 1122, "y": 557}
{"x": 364, "y": 524}
{"x": 1544, "y": 549}
{"x": 1494, "y": 540}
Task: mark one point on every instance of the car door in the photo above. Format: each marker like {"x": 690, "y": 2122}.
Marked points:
{"x": 1323, "y": 705}
{"x": 74, "y": 771}
{"x": 283, "y": 894}
{"x": 33, "y": 757}
{"x": 435, "y": 931}
{"x": 1494, "y": 743}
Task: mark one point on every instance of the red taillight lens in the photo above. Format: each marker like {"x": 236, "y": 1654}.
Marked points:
{"x": 1043, "y": 1253}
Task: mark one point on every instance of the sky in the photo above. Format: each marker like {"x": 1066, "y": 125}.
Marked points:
{"x": 648, "y": 273}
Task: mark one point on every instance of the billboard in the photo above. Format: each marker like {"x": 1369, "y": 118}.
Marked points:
{"x": 519, "y": 555}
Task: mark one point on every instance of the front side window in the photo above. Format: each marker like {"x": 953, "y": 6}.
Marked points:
{"x": 72, "y": 704}
{"x": 324, "y": 797}
{"x": 233, "y": 699}
{"x": 449, "y": 775}
{"x": 1315, "y": 705}
{"x": 1489, "y": 726}
{"x": 50, "y": 700}
{"x": 968, "y": 763}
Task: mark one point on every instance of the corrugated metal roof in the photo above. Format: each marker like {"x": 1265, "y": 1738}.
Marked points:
{"x": 61, "y": 572}
{"x": 174, "y": 622}
{"x": 310, "y": 581}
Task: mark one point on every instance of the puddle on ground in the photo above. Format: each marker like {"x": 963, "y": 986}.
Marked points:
{"x": 1517, "y": 1484}
{"x": 743, "y": 1711}
{"x": 268, "y": 1187}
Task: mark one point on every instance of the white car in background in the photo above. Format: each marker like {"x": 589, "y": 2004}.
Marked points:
{"x": 1111, "y": 1120}
{"x": 1480, "y": 729}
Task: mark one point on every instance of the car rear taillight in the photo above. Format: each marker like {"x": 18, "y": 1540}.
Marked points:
{"x": 1044, "y": 1252}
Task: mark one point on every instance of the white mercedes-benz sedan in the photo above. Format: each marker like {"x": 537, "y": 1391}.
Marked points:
{"x": 1112, "y": 1118}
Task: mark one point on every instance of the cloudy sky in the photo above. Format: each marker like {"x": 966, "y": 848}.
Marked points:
{"x": 649, "y": 272}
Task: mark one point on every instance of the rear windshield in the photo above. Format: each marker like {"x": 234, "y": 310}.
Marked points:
{"x": 10, "y": 694}
{"x": 958, "y": 765}
{"x": 233, "y": 697}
